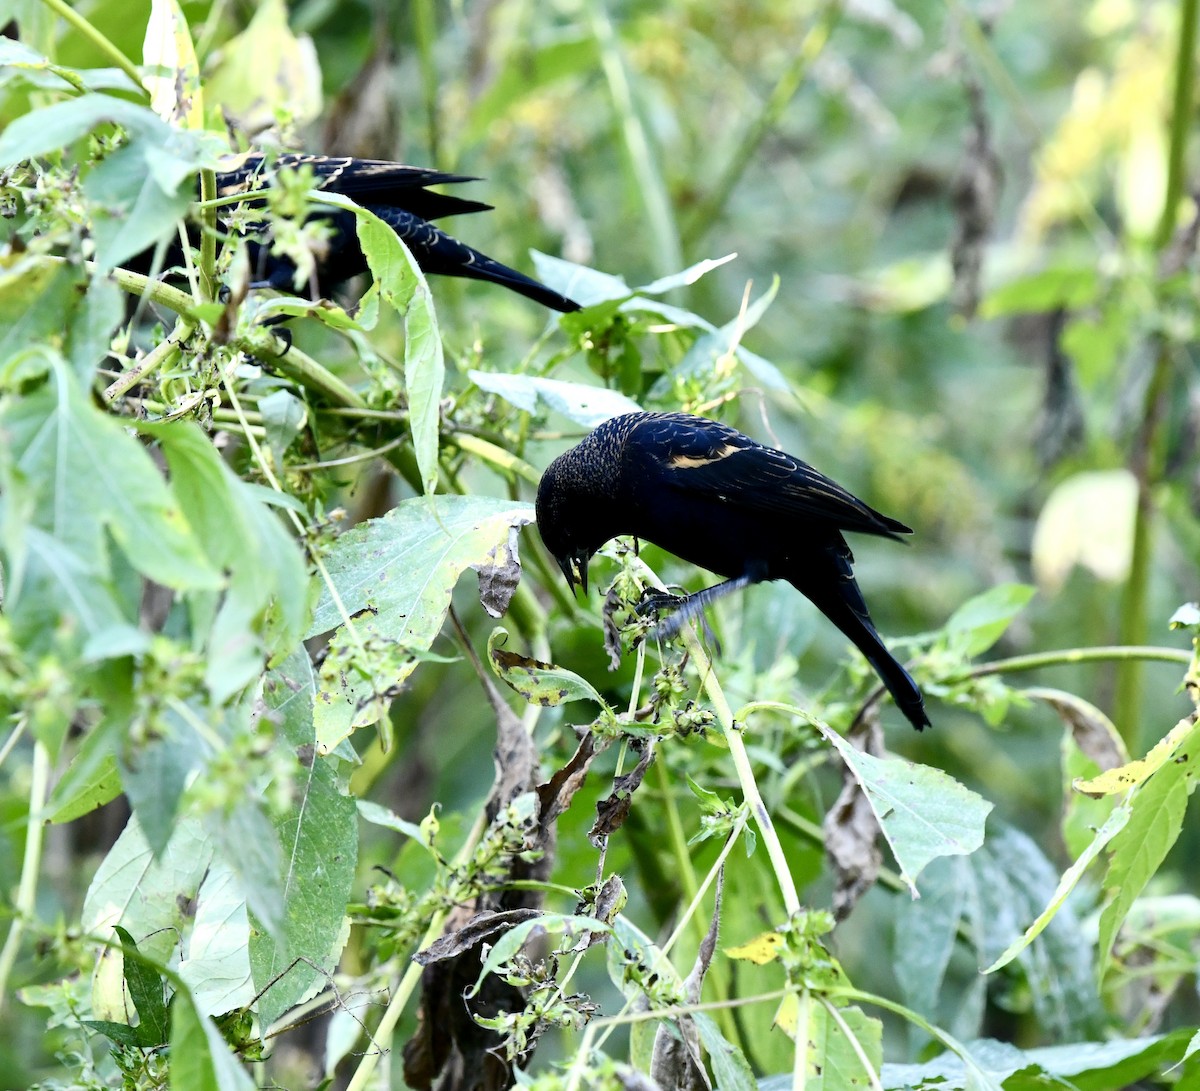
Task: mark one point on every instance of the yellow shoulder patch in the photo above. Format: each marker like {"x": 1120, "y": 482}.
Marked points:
{"x": 688, "y": 462}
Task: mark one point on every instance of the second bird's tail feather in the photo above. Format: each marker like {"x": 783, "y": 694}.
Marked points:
{"x": 838, "y": 605}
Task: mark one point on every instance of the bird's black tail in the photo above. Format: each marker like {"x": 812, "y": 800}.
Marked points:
{"x": 437, "y": 252}
{"x": 843, "y": 604}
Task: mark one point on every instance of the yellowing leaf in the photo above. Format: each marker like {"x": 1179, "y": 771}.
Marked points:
{"x": 760, "y": 950}
{"x": 172, "y": 72}
{"x": 1087, "y": 521}
{"x": 1133, "y": 773}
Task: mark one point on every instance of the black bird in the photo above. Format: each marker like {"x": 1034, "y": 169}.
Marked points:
{"x": 715, "y": 497}
{"x": 398, "y": 195}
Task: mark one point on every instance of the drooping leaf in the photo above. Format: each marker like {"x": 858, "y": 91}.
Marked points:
{"x": 393, "y": 577}
{"x": 172, "y": 72}
{"x": 586, "y": 405}
{"x": 1155, "y": 821}
{"x": 539, "y": 683}
{"x": 923, "y": 812}
{"x": 319, "y": 838}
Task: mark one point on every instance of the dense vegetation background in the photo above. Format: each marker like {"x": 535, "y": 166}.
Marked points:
{"x": 964, "y": 287}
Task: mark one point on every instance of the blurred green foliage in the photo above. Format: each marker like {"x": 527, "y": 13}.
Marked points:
{"x": 964, "y": 286}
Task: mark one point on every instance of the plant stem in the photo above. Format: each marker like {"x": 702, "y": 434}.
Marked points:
{"x": 30, "y": 865}
{"x": 781, "y": 94}
{"x": 666, "y": 248}
{"x": 70, "y": 15}
{"x": 1147, "y": 459}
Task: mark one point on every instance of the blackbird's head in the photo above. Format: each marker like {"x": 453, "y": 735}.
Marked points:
{"x": 570, "y": 517}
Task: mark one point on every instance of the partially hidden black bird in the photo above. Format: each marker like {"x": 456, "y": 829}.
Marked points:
{"x": 720, "y": 500}
{"x": 399, "y": 196}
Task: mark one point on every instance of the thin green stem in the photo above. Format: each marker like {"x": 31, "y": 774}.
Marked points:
{"x": 1070, "y": 656}
{"x": 781, "y": 95}
{"x": 162, "y": 353}
{"x": 30, "y": 866}
{"x": 1181, "y": 120}
{"x": 666, "y": 248}
{"x": 1148, "y": 459}
{"x": 504, "y": 461}
{"x": 70, "y": 15}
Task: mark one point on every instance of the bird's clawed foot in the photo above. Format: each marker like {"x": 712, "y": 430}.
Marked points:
{"x": 658, "y": 602}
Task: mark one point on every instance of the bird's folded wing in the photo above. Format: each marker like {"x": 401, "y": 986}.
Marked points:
{"x": 713, "y": 459}
{"x": 366, "y": 181}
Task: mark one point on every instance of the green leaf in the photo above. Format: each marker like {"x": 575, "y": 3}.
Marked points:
{"x": 59, "y": 125}
{"x": 586, "y": 405}
{"x": 1069, "y": 287}
{"x": 394, "y": 576}
{"x": 216, "y": 962}
{"x": 1157, "y": 807}
{"x": 729, "y": 1064}
{"x": 923, "y": 812}
{"x": 145, "y": 986}
{"x": 401, "y": 283}
{"x": 1111, "y": 828}
{"x": 199, "y": 1057}
{"x": 1087, "y": 1066}
{"x": 88, "y": 476}
{"x": 284, "y": 416}
{"x": 979, "y": 622}
{"x": 267, "y": 71}
{"x": 150, "y": 896}
{"x": 156, "y": 774}
{"x": 539, "y": 683}
{"x": 833, "y": 1061}
{"x": 319, "y": 839}
{"x": 268, "y": 594}
{"x": 172, "y": 74}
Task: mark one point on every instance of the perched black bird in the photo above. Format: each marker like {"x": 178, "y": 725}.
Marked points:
{"x": 397, "y": 195}
{"x": 718, "y": 499}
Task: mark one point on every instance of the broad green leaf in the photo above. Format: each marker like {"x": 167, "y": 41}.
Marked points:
{"x": 1116, "y": 822}
{"x": 284, "y": 416}
{"x": 215, "y": 961}
{"x": 268, "y": 593}
{"x": 729, "y": 1064}
{"x": 393, "y": 576}
{"x": 39, "y": 71}
{"x": 1012, "y": 882}
{"x": 1156, "y": 808}
{"x": 923, "y": 812}
{"x": 833, "y": 1061}
{"x": 200, "y": 1059}
{"x": 319, "y": 839}
{"x": 586, "y": 405}
{"x": 266, "y": 70}
{"x": 539, "y": 683}
{"x": 172, "y": 72}
{"x": 979, "y": 622}
{"x": 588, "y": 287}
{"x": 89, "y": 335}
{"x": 926, "y": 936}
{"x": 36, "y": 294}
{"x": 1089, "y": 1066}
{"x": 1070, "y": 287}
{"x": 402, "y": 284}
{"x": 150, "y": 897}
{"x": 88, "y": 476}
{"x": 59, "y": 125}
{"x": 155, "y": 775}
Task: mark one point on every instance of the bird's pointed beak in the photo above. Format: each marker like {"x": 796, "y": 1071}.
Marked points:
{"x": 575, "y": 570}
